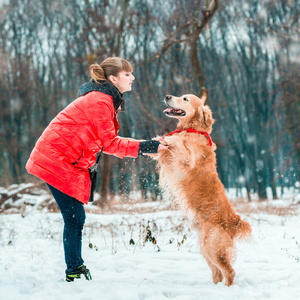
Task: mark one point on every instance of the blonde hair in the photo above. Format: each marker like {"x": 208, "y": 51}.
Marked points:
{"x": 110, "y": 66}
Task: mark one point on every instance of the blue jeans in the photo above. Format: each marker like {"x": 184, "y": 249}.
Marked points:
{"x": 74, "y": 217}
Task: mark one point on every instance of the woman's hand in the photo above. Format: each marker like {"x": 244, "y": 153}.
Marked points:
{"x": 156, "y": 155}
{"x": 162, "y": 141}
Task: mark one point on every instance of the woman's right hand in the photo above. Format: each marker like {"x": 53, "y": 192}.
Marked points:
{"x": 156, "y": 155}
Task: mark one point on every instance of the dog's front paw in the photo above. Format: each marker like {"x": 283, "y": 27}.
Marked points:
{"x": 164, "y": 142}
{"x": 158, "y": 138}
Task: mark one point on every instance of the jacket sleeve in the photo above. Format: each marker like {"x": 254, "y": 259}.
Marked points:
{"x": 101, "y": 115}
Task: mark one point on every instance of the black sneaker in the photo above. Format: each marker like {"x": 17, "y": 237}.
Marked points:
{"x": 70, "y": 276}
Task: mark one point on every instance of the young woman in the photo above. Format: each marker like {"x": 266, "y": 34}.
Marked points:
{"x": 68, "y": 147}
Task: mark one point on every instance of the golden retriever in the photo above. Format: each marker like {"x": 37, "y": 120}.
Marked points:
{"x": 188, "y": 173}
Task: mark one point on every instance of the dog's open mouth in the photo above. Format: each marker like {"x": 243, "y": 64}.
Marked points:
{"x": 172, "y": 111}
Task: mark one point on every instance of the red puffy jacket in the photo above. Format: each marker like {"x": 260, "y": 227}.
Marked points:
{"x": 68, "y": 146}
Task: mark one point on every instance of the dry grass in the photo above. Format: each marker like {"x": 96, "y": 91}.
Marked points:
{"x": 241, "y": 206}
{"x": 117, "y": 205}
{"x": 130, "y": 206}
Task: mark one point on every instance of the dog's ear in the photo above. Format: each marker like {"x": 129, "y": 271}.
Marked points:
{"x": 206, "y": 116}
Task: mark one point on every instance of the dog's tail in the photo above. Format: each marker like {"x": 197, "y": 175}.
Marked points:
{"x": 243, "y": 230}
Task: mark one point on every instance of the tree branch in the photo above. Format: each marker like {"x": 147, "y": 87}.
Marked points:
{"x": 170, "y": 41}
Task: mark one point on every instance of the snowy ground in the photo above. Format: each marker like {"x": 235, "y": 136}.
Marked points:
{"x": 32, "y": 263}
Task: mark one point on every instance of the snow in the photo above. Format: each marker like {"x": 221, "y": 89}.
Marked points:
{"x": 32, "y": 262}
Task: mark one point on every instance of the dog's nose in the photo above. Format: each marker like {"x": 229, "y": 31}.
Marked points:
{"x": 168, "y": 97}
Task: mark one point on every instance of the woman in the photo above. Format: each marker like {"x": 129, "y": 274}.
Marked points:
{"x": 68, "y": 147}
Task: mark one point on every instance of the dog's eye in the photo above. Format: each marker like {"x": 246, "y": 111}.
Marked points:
{"x": 185, "y": 99}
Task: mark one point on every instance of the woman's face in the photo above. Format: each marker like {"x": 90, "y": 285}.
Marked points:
{"x": 123, "y": 82}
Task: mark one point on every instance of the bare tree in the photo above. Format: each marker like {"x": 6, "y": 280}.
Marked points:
{"x": 189, "y": 24}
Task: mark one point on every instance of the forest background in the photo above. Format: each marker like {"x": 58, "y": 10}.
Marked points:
{"x": 244, "y": 54}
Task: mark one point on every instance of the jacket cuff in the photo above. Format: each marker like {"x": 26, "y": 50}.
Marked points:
{"x": 148, "y": 147}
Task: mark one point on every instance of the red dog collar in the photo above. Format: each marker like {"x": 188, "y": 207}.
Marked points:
{"x": 193, "y": 131}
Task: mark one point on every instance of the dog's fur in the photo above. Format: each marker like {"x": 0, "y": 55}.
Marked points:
{"x": 188, "y": 172}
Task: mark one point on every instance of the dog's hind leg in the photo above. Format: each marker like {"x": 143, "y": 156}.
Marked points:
{"x": 223, "y": 262}
{"x": 216, "y": 272}
{"x": 219, "y": 251}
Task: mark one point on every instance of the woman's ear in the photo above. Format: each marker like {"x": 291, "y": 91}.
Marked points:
{"x": 112, "y": 79}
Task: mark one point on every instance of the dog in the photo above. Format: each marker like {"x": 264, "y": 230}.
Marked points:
{"x": 187, "y": 172}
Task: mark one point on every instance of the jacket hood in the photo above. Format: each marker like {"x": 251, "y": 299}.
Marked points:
{"x": 106, "y": 88}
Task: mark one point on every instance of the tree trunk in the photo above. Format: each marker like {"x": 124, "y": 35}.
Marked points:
{"x": 197, "y": 67}
{"x": 107, "y": 164}
{"x": 105, "y": 180}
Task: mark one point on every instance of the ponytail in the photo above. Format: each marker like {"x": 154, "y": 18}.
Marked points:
{"x": 97, "y": 73}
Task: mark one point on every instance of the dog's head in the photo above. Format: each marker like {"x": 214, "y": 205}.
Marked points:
{"x": 191, "y": 112}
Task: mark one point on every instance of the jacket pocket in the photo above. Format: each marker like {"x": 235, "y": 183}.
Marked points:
{"x": 75, "y": 164}
{"x": 87, "y": 159}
